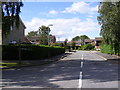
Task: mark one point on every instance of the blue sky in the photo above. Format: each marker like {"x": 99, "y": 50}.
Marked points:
{"x": 69, "y": 19}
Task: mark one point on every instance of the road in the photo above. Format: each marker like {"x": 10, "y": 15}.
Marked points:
{"x": 82, "y": 69}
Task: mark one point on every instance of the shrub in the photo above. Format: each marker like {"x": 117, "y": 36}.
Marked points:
{"x": 106, "y": 49}
{"x": 81, "y": 47}
{"x": 58, "y": 44}
{"x": 88, "y": 47}
{"x": 29, "y": 52}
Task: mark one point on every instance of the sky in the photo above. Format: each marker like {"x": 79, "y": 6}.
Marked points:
{"x": 69, "y": 19}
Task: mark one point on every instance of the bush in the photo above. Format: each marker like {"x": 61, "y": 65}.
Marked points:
{"x": 81, "y": 47}
{"x": 30, "y": 52}
{"x": 106, "y": 49}
{"x": 88, "y": 47}
{"x": 58, "y": 44}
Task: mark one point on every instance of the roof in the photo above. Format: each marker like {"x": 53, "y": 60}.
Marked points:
{"x": 34, "y": 37}
{"x": 98, "y": 38}
{"x": 20, "y": 21}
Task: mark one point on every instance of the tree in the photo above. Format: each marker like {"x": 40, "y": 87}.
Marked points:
{"x": 109, "y": 19}
{"x": 44, "y": 35}
{"x": 32, "y": 33}
{"x": 76, "y": 38}
{"x": 10, "y": 15}
{"x": 73, "y": 45}
{"x": 65, "y": 42}
{"x": 80, "y": 38}
{"x": 83, "y": 37}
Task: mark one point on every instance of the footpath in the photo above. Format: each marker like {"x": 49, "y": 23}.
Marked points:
{"x": 26, "y": 63}
{"x": 108, "y": 57}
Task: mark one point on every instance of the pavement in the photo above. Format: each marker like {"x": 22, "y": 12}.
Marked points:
{"x": 81, "y": 70}
{"x": 108, "y": 57}
{"x": 28, "y": 63}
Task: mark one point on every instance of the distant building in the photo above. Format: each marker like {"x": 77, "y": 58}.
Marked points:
{"x": 98, "y": 41}
{"x": 36, "y": 39}
{"x": 16, "y": 34}
{"x": 52, "y": 39}
{"x": 95, "y": 42}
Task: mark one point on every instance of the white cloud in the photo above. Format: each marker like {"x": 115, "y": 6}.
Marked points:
{"x": 53, "y": 12}
{"x": 81, "y": 7}
{"x": 64, "y": 28}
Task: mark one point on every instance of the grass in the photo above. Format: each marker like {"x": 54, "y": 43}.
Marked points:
{"x": 2, "y": 65}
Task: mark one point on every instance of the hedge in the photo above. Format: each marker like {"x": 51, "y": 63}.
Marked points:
{"x": 29, "y": 52}
{"x": 106, "y": 49}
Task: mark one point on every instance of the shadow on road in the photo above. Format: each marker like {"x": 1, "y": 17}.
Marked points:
{"x": 100, "y": 71}
{"x": 60, "y": 74}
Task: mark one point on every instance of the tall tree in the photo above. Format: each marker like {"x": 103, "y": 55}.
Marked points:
{"x": 44, "y": 34}
{"x": 10, "y": 14}
{"x": 76, "y": 38}
{"x": 32, "y": 33}
{"x": 80, "y": 38}
{"x": 109, "y": 19}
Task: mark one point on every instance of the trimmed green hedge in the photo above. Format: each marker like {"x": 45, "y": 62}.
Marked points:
{"x": 29, "y": 52}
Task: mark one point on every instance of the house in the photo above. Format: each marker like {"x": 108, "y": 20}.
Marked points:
{"x": 52, "y": 39}
{"x": 95, "y": 42}
{"x": 36, "y": 39}
{"x": 16, "y": 35}
{"x": 98, "y": 41}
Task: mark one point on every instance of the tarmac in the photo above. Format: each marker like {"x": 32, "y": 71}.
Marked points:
{"x": 107, "y": 57}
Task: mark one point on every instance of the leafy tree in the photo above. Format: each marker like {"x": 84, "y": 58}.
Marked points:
{"x": 73, "y": 45}
{"x": 76, "y": 38}
{"x": 109, "y": 19}
{"x": 88, "y": 47}
{"x": 32, "y": 33}
{"x": 65, "y": 42}
{"x": 82, "y": 38}
{"x": 10, "y": 15}
{"x": 44, "y": 34}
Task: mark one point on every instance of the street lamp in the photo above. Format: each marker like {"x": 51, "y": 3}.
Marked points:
{"x": 48, "y": 33}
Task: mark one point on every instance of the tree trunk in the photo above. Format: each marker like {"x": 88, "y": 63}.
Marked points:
{"x": 0, "y": 31}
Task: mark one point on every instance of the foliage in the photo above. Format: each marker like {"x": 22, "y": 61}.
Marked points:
{"x": 88, "y": 47}
{"x": 58, "y": 44}
{"x": 44, "y": 32}
{"x": 82, "y": 37}
{"x": 10, "y": 15}
{"x": 73, "y": 45}
{"x": 32, "y": 33}
{"x": 81, "y": 47}
{"x": 30, "y": 52}
{"x": 109, "y": 19}
{"x": 76, "y": 38}
{"x": 105, "y": 48}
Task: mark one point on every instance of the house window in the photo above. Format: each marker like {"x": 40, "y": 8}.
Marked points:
{"x": 11, "y": 28}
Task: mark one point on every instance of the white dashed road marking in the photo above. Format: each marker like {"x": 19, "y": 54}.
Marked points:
{"x": 80, "y": 75}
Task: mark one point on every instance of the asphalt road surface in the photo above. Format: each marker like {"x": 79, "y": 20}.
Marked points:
{"x": 82, "y": 69}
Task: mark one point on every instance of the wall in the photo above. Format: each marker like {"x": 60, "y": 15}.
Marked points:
{"x": 16, "y": 34}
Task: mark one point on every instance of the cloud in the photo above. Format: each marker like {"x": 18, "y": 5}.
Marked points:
{"x": 53, "y": 12}
{"x": 63, "y": 28}
{"x": 81, "y": 7}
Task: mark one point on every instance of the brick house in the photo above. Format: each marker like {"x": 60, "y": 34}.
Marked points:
{"x": 16, "y": 34}
{"x": 36, "y": 39}
{"x": 98, "y": 41}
